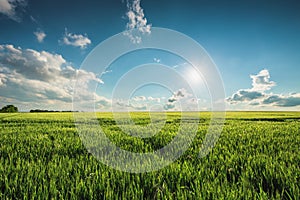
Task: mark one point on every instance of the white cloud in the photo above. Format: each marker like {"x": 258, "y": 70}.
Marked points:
{"x": 40, "y": 35}
{"x": 2, "y": 79}
{"x": 179, "y": 94}
{"x": 261, "y": 81}
{"x": 181, "y": 100}
{"x": 290, "y": 100}
{"x": 34, "y": 79}
{"x": 137, "y": 20}
{"x": 121, "y": 105}
{"x": 143, "y": 103}
{"x": 136, "y": 103}
{"x": 102, "y": 103}
{"x": 157, "y": 60}
{"x": 8, "y": 8}
{"x": 40, "y": 78}
{"x": 139, "y": 98}
{"x": 106, "y": 72}
{"x": 169, "y": 106}
{"x": 34, "y": 20}
{"x": 143, "y": 98}
{"x": 76, "y": 40}
{"x": 154, "y": 99}
{"x": 245, "y": 95}
{"x": 258, "y": 96}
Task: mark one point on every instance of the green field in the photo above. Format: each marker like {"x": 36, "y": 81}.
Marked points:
{"x": 256, "y": 157}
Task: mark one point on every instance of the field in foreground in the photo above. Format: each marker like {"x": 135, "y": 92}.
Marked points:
{"x": 256, "y": 157}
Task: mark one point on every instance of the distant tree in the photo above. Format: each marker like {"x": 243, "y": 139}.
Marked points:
{"x": 9, "y": 109}
{"x": 41, "y": 111}
{"x": 47, "y": 111}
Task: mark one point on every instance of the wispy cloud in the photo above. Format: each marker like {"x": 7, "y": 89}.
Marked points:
{"x": 76, "y": 40}
{"x": 40, "y": 35}
{"x": 34, "y": 20}
{"x": 136, "y": 20}
{"x": 258, "y": 95}
{"x": 8, "y": 8}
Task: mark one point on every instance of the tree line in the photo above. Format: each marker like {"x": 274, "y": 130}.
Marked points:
{"x": 9, "y": 109}
{"x": 14, "y": 109}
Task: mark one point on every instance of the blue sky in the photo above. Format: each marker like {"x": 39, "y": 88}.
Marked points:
{"x": 254, "y": 44}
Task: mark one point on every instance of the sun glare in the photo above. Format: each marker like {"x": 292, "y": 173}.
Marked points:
{"x": 192, "y": 76}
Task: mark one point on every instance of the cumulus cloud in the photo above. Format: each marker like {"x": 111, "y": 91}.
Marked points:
{"x": 2, "y": 79}
{"x": 245, "y": 95}
{"x": 76, "y": 40}
{"x": 146, "y": 99}
{"x": 258, "y": 95}
{"x": 283, "y": 100}
{"x": 40, "y": 35}
{"x": 180, "y": 95}
{"x": 179, "y": 100}
{"x": 123, "y": 104}
{"x": 169, "y": 106}
{"x": 139, "y": 98}
{"x": 27, "y": 75}
{"x": 136, "y": 20}
{"x": 9, "y": 7}
{"x": 137, "y": 107}
{"x": 157, "y": 99}
{"x": 136, "y": 103}
{"x": 261, "y": 81}
{"x": 102, "y": 103}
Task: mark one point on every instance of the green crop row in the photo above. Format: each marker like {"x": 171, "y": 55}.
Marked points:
{"x": 256, "y": 157}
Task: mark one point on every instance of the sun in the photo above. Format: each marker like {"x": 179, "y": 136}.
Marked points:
{"x": 191, "y": 75}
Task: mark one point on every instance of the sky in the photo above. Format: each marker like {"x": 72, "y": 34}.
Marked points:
{"x": 254, "y": 45}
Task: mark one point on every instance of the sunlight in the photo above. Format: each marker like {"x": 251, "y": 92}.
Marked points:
{"x": 192, "y": 76}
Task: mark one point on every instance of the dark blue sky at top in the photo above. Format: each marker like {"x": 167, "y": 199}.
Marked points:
{"x": 242, "y": 37}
